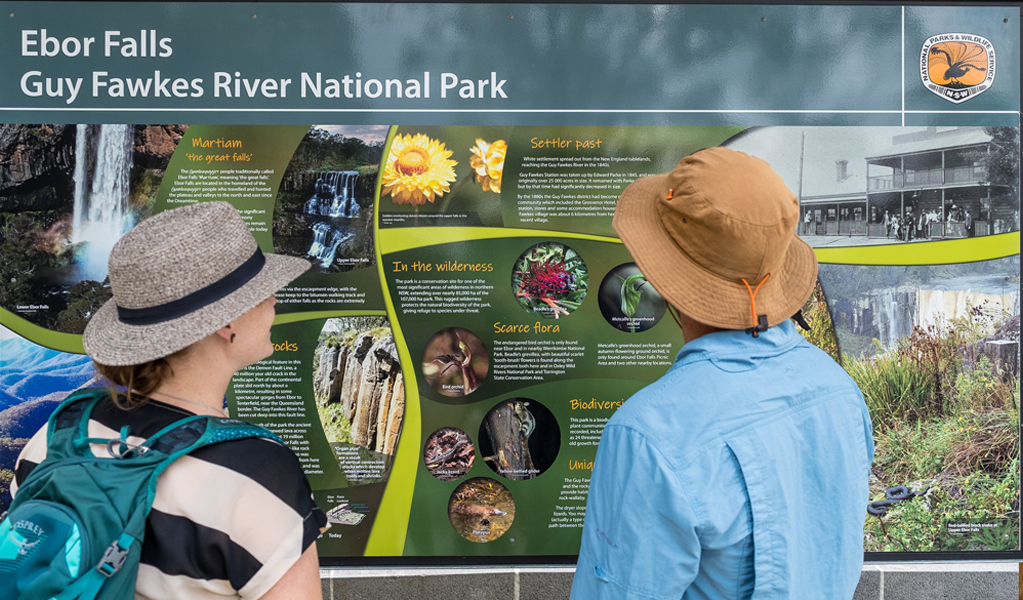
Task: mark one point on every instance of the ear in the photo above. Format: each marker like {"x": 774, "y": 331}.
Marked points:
{"x": 225, "y": 332}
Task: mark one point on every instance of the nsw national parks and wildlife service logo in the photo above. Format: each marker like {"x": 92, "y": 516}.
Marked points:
{"x": 957, "y": 66}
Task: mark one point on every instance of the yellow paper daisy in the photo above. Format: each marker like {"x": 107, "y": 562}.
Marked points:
{"x": 417, "y": 170}
{"x": 488, "y": 163}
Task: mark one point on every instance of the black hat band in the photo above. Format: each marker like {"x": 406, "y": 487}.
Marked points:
{"x": 224, "y": 286}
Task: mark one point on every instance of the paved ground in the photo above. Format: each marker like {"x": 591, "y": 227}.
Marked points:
{"x": 880, "y": 581}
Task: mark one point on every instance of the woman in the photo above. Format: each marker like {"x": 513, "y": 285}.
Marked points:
{"x": 193, "y": 304}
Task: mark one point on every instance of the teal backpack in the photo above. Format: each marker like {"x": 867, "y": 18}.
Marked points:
{"x": 75, "y": 529}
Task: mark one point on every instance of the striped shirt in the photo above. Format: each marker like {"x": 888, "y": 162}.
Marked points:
{"x": 228, "y": 520}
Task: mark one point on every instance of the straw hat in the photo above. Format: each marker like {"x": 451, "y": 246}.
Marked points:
{"x": 178, "y": 277}
{"x": 721, "y": 217}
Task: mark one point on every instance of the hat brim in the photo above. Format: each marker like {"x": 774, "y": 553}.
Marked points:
{"x": 695, "y": 291}
{"x": 111, "y": 342}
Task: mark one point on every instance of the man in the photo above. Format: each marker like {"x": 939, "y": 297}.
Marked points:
{"x": 907, "y": 225}
{"x": 743, "y": 471}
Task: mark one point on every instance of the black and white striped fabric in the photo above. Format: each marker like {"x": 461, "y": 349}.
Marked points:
{"x": 228, "y": 520}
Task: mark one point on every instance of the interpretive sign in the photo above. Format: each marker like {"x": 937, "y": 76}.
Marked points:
{"x": 471, "y": 321}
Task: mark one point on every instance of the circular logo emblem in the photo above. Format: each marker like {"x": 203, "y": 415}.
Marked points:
{"x": 957, "y": 66}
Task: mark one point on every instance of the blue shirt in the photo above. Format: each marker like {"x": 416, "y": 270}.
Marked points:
{"x": 741, "y": 473}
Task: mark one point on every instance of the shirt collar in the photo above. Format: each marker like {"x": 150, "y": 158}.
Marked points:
{"x": 737, "y": 344}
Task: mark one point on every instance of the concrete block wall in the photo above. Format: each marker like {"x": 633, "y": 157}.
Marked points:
{"x": 903, "y": 581}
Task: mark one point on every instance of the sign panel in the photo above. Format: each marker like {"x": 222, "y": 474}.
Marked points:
{"x": 471, "y": 321}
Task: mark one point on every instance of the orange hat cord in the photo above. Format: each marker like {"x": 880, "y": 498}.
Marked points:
{"x": 761, "y": 320}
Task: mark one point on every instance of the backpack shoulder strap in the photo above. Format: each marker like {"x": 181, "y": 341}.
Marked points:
{"x": 70, "y": 421}
{"x": 68, "y": 411}
{"x": 191, "y": 433}
{"x": 188, "y": 434}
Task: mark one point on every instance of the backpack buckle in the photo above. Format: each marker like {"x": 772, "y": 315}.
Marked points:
{"x": 120, "y": 448}
{"x": 114, "y": 557}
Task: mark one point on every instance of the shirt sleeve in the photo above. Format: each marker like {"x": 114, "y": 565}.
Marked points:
{"x": 640, "y": 535}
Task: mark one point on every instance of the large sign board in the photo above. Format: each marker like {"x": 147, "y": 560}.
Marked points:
{"x": 471, "y": 320}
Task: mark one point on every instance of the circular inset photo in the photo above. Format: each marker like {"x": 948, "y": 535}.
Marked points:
{"x": 455, "y": 362}
{"x": 481, "y": 510}
{"x": 449, "y": 454}
{"x": 550, "y": 279}
{"x": 519, "y": 438}
{"x": 628, "y": 301}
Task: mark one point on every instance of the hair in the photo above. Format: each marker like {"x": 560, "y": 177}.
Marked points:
{"x": 143, "y": 379}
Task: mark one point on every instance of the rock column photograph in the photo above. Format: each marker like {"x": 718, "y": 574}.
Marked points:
{"x": 359, "y": 386}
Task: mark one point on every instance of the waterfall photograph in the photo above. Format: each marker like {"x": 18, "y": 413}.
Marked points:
{"x": 324, "y": 209}
{"x": 67, "y": 194}
{"x": 935, "y": 351}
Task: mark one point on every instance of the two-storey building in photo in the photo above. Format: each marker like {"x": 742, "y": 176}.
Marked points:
{"x": 930, "y": 184}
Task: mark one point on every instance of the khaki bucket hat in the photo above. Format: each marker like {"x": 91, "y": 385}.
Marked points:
{"x": 716, "y": 238}
{"x": 179, "y": 276}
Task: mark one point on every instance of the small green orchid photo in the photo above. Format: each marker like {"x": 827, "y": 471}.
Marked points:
{"x": 628, "y": 301}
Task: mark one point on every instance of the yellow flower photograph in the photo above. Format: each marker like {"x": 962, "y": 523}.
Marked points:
{"x": 487, "y": 163}
{"x": 418, "y": 170}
